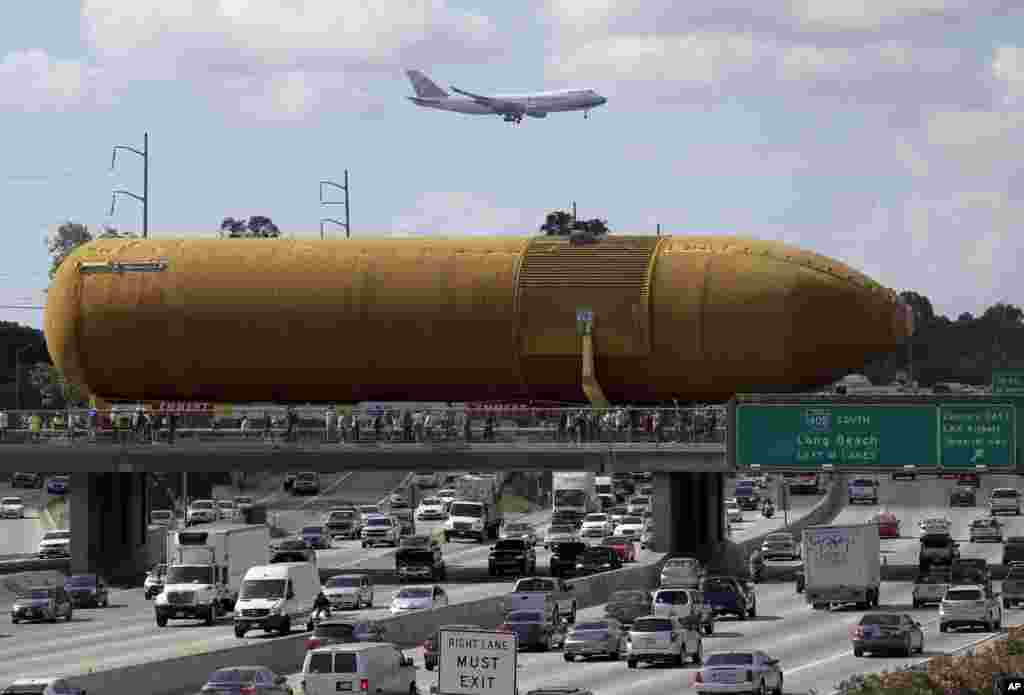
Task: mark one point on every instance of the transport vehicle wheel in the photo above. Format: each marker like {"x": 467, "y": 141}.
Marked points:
{"x": 698, "y": 657}
{"x": 631, "y": 663}
{"x": 778, "y": 691}
{"x": 286, "y": 626}
{"x": 161, "y": 621}
{"x": 857, "y": 651}
{"x": 567, "y": 657}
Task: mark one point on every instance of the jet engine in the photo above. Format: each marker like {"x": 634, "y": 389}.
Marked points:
{"x": 537, "y": 114}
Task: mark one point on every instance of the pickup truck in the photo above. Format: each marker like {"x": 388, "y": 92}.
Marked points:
{"x": 550, "y": 595}
{"x": 730, "y": 596}
{"x": 1013, "y": 585}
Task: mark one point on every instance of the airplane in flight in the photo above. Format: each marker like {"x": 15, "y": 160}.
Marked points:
{"x": 512, "y": 107}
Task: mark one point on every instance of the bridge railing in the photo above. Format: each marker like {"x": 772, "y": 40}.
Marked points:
{"x": 397, "y": 426}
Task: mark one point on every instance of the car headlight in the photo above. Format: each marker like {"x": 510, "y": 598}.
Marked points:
{"x": 276, "y": 610}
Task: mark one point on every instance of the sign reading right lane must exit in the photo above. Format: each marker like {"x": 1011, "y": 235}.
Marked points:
{"x": 965, "y": 436}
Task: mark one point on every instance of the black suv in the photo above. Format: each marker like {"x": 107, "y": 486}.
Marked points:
{"x": 512, "y": 555}
{"x": 424, "y": 562}
{"x": 564, "y": 557}
{"x": 597, "y": 559}
{"x": 963, "y": 496}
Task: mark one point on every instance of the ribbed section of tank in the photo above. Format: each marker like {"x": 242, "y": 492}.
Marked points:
{"x": 693, "y": 318}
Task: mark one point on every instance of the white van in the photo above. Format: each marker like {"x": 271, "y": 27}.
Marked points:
{"x": 377, "y": 668}
{"x": 277, "y": 597}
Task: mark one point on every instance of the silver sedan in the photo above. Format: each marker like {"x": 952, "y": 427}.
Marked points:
{"x": 594, "y": 638}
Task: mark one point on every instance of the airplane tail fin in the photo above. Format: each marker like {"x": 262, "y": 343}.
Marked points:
{"x": 425, "y": 88}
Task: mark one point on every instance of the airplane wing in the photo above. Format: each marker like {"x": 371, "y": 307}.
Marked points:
{"x": 498, "y": 105}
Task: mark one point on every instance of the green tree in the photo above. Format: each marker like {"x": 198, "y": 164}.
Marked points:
{"x": 562, "y": 223}
{"x": 55, "y": 391}
{"x": 63, "y": 240}
{"x": 257, "y": 227}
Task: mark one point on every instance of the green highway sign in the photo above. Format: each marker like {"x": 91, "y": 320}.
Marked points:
{"x": 875, "y": 436}
{"x": 1008, "y": 382}
{"x": 974, "y": 435}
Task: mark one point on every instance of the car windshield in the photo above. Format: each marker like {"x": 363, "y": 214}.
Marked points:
{"x": 262, "y": 588}
{"x": 629, "y": 597}
{"x": 161, "y": 515}
{"x": 524, "y": 617}
{"x": 202, "y": 505}
{"x": 964, "y": 595}
{"x": 398, "y": 504}
{"x": 342, "y": 516}
{"x": 652, "y": 625}
{"x": 508, "y": 545}
{"x": 11, "y": 500}
{"x": 639, "y": 500}
{"x": 560, "y": 529}
{"x": 312, "y": 530}
{"x": 983, "y": 523}
{"x": 378, "y": 522}
{"x": 233, "y": 675}
{"x": 596, "y": 518}
{"x": 226, "y": 504}
{"x": 57, "y": 536}
{"x": 933, "y": 579}
{"x": 631, "y": 520}
{"x": 82, "y": 580}
{"x": 599, "y": 625}
{"x": 861, "y": 482}
{"x": 880, "y": 619}
{"x": 35, "y": 593}
{"x": 1004, "y": 493}
{"x": 63, "y": 479}
{"x": 517, "y": 528}
{"x": 415, "y": 593}
{"x": 936, "y": 541}
{"x": 243, "y": 500}
{"x": 343, "y": 582}
{"x": 535, "y": 584}
{"x": 431, "y": 502}
{"x": 185, "y": 574}
{"x": 617, "y": 540}
{"x": 735, "y": 659}
{"x": 718, "y": 585}
{"x": 369, "y": 509}
{"x": 463, "y": 509}
{"x": 675, "y": 598}
{"x": 306, "y": 476}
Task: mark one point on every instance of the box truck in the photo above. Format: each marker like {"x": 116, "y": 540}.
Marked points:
{"x": 842, "y": 564}
{"x": 205, "y": 570}
{"x": 574, "y": 492}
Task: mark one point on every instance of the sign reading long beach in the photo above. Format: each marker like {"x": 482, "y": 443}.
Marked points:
{"x": 477, "y": 662}
{"x": 869, "y": 436}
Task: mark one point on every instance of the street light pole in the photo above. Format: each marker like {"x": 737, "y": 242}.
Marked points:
{"x": 144, "y": 198}
{"x": 324, "y": 201}
{"x": 17, "y": 374}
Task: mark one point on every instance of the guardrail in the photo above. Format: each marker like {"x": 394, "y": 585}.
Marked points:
{"x": 568, "y": 426}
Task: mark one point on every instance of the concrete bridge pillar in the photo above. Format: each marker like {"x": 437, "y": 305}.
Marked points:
{"x": 109, "y": 518}
{"x": 688, "y": 513}
{"x": 668, "y": 511}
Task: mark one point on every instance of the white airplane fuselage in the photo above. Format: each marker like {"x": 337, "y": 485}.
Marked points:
{"x": 550, "y": 102}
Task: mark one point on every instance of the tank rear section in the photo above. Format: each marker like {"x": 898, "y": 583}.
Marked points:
{"x": 288, "y": 321}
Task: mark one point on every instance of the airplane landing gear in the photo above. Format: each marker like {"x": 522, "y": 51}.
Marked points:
{"x": 586, "y": 115}
{"x": 513, "y": 118}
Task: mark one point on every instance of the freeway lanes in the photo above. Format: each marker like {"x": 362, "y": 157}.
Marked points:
{"x": 912, "y": 501}
{"x": 20, "y": 537}
{"x": 126, "y": 632}
{"x": 813, "y": 646}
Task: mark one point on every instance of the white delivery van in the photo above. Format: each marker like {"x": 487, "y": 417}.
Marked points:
{"x": 277, "y": 597}
{"x": 378, "y": 667}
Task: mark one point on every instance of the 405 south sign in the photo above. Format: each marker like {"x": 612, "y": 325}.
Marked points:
{"x": 961, "y": 436}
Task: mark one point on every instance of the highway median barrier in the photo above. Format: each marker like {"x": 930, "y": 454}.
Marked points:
{"x": 731, "y": 558}
{"x": 53, "y": 515}
{"x": 187, "y": 674}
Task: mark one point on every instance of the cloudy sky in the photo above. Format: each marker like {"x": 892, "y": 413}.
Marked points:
{"x": 885, "y": 133}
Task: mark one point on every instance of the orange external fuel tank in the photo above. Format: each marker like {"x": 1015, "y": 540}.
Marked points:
{"x": 466, "y": 319}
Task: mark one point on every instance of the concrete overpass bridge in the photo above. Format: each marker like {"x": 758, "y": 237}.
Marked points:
{"x": 109, "y": 505}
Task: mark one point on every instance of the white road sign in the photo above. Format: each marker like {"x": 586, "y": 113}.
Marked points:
{"x": 477, "y": 662}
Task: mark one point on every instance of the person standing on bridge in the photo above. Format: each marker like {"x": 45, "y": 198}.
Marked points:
{"x": 4, "y": 424}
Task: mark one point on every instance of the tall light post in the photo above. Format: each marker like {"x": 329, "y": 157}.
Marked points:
{"x": 324, "y": 201}
{"x": 17, "y": 374}
{"x": 144, "y": 198}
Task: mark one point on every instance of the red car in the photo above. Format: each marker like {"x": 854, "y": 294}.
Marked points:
{"x": 888, "y": 525}
{"x": 624, "y": 547}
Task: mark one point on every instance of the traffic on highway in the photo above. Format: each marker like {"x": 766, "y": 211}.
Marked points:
{"x": 341, "y": 591}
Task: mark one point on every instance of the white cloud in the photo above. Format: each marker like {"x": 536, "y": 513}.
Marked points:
{"x": 33, "y": 81}
{"x": 1008, "y": 67}
{"x": 459, "y": 213}
{"x": 273, "y": 59}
